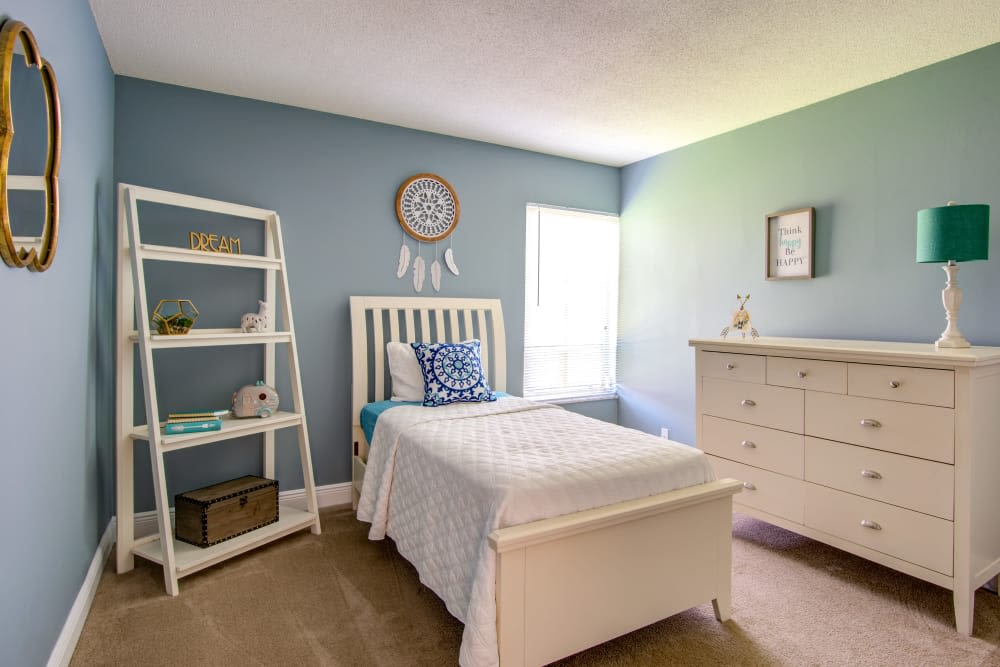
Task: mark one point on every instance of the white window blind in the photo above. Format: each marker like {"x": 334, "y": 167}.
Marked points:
{"x": 571, "y": 303}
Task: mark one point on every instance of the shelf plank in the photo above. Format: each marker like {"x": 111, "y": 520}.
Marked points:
{"x": 189, "y": 558}
{"x": 174, "y": 254}
{"x": 213, "y": 338}
{"x": 231, "y": 428}
{"x": 200, "y": 203}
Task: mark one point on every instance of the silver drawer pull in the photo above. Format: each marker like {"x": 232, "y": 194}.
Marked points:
{"x": 802, "y": 374}
{"x": 749, "y": 486}
{"x": 868, "y": 523}
{"x": 894, "y": 384}
{"x": 730, "y": 367}
{"x": 873, "y": 423}
{"x": 871, "y": 474}
{"x": 748, "y": 444}
{"x": 747, "y": 402}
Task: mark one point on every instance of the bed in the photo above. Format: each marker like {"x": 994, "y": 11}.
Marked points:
{"x": 548, "y": 587}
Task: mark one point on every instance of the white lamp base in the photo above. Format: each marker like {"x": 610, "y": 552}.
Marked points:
{"x": 951, "y": 296}
{"x": 952, "y": 341}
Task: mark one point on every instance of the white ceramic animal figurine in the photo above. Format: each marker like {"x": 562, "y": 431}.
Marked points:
{"x": 256, "y": 322}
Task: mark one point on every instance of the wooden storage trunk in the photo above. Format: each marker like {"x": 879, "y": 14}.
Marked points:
{"x": 216, "y": 513}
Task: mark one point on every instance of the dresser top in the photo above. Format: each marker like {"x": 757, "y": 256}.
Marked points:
{"x": 861, "y": 350}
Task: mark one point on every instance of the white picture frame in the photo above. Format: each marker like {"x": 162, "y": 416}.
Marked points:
{"x": 788, "y": 245}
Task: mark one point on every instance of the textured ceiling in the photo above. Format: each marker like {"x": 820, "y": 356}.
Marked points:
{"x": 605, "y": 81}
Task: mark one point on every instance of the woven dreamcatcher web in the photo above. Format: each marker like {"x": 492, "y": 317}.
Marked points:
{"x": 428, "y": 210}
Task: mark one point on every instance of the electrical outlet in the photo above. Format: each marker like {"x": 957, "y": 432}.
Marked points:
{"x": 665, "y": 432}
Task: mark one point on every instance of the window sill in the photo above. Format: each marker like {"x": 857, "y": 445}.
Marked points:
{"x": 563, "y": 400}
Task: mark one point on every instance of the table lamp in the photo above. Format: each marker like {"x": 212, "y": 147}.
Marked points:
{"x": 953, "y": 233}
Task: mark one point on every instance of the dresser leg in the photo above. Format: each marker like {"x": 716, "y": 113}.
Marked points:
{"x": 965, "y": 601}
{"x": 722, "y": 608}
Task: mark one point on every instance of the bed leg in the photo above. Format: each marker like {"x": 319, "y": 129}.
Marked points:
{"x": 722, "y": 604}
{"x": 723, "y": 608}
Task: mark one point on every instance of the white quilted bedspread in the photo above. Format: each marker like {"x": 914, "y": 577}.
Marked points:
{"x": 439, "y": 480}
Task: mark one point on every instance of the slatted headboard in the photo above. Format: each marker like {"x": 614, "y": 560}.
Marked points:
{"x": 377, "y": 320}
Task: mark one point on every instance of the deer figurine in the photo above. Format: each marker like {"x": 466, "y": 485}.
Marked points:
{"x": 741, "y": 320}
{"x": 256, "y": 322}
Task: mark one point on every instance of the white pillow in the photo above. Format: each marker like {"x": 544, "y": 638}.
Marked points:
{"x": 407, "y": 379}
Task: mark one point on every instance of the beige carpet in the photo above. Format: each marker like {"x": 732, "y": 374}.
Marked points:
{"x": 338, "y": 599}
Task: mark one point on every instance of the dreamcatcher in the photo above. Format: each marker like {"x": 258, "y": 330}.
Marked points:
{"x": 428, "y": 211}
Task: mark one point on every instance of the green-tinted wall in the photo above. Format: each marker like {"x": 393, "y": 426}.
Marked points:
{"x": 692, "y": 225}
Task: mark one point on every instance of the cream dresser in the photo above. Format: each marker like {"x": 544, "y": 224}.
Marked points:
{"x": 890, "y": 451}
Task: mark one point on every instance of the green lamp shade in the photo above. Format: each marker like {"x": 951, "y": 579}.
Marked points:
{"x": 960, "y": 233}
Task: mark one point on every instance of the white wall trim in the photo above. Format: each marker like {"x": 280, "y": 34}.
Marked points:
{"x": 326, "y": 496}
{"x": 145, "y": 524}
{"x": 62, "y": 652}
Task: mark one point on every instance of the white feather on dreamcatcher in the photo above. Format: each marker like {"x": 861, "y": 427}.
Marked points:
{"x": 420, "y": 265}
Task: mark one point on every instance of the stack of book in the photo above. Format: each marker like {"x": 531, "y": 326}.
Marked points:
{"x": 193, "y": 422}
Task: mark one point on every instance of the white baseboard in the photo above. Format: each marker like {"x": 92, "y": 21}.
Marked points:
{"x": 145, "y": 524}
{"x": 326, "y": 496}
{"x": 62, "y": 652}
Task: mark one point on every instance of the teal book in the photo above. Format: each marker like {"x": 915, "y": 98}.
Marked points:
{"x": 192, "y": 427}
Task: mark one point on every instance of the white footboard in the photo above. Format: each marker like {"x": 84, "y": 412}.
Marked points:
{"x": 568, "y": 583}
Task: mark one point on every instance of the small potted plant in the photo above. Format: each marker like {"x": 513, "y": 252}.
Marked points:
{"x": 173, "y": 317}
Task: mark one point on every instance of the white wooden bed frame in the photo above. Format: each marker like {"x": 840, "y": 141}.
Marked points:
{"x": 571, "y": 582}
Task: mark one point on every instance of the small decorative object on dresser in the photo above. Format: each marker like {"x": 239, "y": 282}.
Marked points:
{"x": 255, "y": 400}
{"x": 789, "y": 246}
{"x": 952, "y": 234}
{"x": 886, "y": 450}
{"x": 741, "y": 320}
{"x": 258, "y": 322}
{"x": 173, "y": 317}
{"x": 222, "y": 511}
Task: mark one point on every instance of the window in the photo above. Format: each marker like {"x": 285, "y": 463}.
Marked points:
{"x": 570, "y": 303}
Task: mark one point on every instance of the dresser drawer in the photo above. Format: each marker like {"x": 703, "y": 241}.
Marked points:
{"x": 925, "y": 431}
{"x": 807, "y": 374}
{"x": 911, "y": 536}
{"x": 727, "y": 366}
{"x": 917, "y": 484}
{"x": 898, "y": 383}
{"x": 775, "y": 407}
{"x": 763, "y": 490}
{"x": 778, "y": 451}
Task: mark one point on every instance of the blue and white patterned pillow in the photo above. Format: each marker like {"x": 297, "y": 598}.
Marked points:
{"x": 453, "y": 373}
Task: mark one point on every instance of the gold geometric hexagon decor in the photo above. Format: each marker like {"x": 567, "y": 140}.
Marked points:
{"x": 173, "y": 317}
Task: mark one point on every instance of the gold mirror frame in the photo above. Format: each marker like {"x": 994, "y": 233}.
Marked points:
{"x": 31, "y": 258}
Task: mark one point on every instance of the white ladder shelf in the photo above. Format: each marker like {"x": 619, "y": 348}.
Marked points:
{"x": 178, "y": 558}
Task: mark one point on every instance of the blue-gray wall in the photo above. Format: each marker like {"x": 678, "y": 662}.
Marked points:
{"x": 57, "y": 495}
{"x": 692, "y": 224}
{"x": 333, "y": 181}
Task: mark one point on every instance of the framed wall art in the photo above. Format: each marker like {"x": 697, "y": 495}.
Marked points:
{"x": 789, "y": 244}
